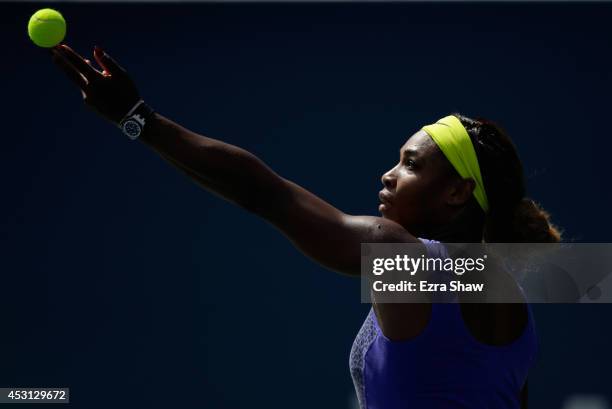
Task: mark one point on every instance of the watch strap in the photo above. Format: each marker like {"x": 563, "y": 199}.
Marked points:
{"x": 134, "y": 121}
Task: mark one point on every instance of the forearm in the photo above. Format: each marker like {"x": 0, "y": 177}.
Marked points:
{"x": 318, "y": 229}
{"x": 321, "y": 231}
{"x": 224, "y": 169}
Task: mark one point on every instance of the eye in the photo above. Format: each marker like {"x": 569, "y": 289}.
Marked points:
{"x": 409, "y": 163}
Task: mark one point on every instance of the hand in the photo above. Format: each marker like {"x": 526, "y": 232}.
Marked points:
{"x": 110, "y": 92}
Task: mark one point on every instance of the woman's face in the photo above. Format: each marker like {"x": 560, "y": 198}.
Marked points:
{"x": 416, "y": 190}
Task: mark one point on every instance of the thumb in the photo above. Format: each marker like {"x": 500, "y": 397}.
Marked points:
{"x": 106, "y": 62}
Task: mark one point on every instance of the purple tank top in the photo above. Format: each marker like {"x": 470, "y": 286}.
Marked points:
{"x": 444, "y": 367}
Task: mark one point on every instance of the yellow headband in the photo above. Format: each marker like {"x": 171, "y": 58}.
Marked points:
{"x": 454, "y": 141}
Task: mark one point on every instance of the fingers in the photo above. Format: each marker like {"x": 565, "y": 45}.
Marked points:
{"x": 79, "y": 62}
{"x": 71, "y": 72}
{"x": 106, "y": 62}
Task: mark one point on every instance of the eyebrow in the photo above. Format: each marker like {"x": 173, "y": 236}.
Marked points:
{"x": 410, "y": 152}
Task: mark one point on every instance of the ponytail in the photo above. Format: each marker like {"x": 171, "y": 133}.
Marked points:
{"x": 512, "y": 217}
{"x": 531, "y": 224}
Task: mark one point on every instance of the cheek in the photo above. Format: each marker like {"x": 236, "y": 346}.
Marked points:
{"x": 418, "y": 194}
{"x": 410, "y": 188}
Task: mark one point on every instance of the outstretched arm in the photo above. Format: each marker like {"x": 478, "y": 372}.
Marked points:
{"x": 322, "y": 232}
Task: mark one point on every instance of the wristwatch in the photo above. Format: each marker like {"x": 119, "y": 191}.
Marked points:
{"x": 134, "y": 122}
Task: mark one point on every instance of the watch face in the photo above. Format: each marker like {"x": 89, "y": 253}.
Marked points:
{"x": 132, "y": 129}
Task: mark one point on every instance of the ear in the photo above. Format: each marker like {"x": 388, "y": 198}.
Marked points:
{"x": 460, "y": 192}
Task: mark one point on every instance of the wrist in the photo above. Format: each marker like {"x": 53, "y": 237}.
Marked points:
{"x": 148, "y": 131}
{"x": 136, "y": 120}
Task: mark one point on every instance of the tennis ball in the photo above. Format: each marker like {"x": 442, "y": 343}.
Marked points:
{"x": 47, "y": 28}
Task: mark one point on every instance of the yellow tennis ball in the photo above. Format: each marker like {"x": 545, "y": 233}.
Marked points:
{"x": 47, "y": 28}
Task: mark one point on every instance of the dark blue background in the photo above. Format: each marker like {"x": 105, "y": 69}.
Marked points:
{"x": 126, "y": 282}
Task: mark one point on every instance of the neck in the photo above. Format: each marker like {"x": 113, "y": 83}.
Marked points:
{"x": 465, "y": 236}
{"x": 466, "y": 227}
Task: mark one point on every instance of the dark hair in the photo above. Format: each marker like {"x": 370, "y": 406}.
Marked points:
{"x": 512, "y": 217}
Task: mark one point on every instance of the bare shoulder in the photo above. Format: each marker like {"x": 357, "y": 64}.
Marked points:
{"x": 380, "y": 230}
{"x": 398, "y": 321}
{"x": 494, "y": 324}
{"x": 499, "y": 323}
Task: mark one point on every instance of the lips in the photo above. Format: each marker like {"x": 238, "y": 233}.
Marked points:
{"x": 384, "y": 196}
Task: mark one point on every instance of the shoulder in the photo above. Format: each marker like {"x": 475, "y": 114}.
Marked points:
{"x": 489, "y": 324}
{"x": 499, "y": 316}
{"x": 380, "y": 230}
{"x": 492, "y": 324}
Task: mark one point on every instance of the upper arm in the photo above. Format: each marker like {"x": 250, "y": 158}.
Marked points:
{"x": 333, "y": 239}
{"x": 324, "y": 233}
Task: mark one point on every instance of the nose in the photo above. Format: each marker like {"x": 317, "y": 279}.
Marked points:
{"x": 388, "y": 180}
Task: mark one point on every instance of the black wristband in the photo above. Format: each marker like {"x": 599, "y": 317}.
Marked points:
{"x": 134, "y": 122}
